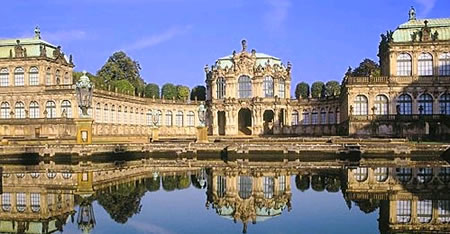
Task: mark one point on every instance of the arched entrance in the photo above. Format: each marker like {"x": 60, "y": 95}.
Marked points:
{"x": 268, "y": 116}
{"x": 245, "y": 121}
{"x": 221, "y": 120}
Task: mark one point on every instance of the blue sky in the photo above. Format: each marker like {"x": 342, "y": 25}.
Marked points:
{"x": 174, "y": 39}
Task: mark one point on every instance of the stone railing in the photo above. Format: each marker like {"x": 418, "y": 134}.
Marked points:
{"x": 350, "y": 80}
{"x": 401, "y": 118}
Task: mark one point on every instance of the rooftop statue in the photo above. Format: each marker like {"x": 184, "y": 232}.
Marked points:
{"x": 201, "y": 114}
{"x": 412, "y": 13}
{"x": 84, "y": 94}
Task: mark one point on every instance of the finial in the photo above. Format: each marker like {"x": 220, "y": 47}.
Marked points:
{"x": 412, "y": 13}
{"x": 244, "y": 45}
{"x": 84, "y": 72}
{"x": 426, "y": 23}
{"x": 37, "y": 33}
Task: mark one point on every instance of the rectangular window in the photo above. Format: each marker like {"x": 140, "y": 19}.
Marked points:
{"x": 4, "y": 78}
{"x": 282, "y": 89}
{"x": 403, "y": 211}
{"x": 314, "y": 118}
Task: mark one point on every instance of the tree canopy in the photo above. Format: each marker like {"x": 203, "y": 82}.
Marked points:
{"x": 332, "y": 88}
{"x": 367, "y": 67}
{"x": 123, "y": 86}
{"x": 169, "y": 91}
{"x": 317, "y": 89}
{"x": 302, "y": 90}
{"x": 121, "y": 67}
{"x": 182, "y": 92}
{"x": 151, "y": 90}
{"x": 198, "y": 92}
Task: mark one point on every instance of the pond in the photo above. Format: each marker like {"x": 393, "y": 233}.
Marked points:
{"x": 151, "y": 195}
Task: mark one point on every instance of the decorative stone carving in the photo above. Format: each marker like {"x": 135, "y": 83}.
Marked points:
{"x": 43, "y": 51}
{"x": 18, "y": 50}
{"x": 201, "y": 114}
{"x": 412, "y": 14}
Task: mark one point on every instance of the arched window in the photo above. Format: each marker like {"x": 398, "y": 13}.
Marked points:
{"x": 20, "y": 202}
{"x": 426, "y": 104}
{"x": 221, "y": 87}
{"x": 50, "y": 107}
{"x": 34, "y": 110}
{"x": 281, "y": 88}
{"x": 98, "y": 113}
{"x": 361, "y": 104}
{"x": 305, "y": 119}
{"x": 404, "y": 104}
{"x": 404, "y": 63}
{"x": 245, "y": 185}
{"x": 314, "y": 117}
{"x": 444, "y": 64}
{"x": 444, "y": 104}
{"x": 268, "y": 86}
{"x": 119, "y": 115}
{"x": 404, "y": 175}
{"x": 5, "y": 110}
{"x": 113, "y": 113}
{"x": 20, "y": 110}
{"x": 221, "y": 186}
{"x": 35, "y": 202}
{"x": 66, "y": 107}
{"x": 169, "y": 118}
{"x": 403, "y": 211}
{"x": 190, "y": 119}
{"x": 381, "y": 174}
{"x": 338, "y": 115}
{"x": 425, "y": 65}
{"x": 360, "y": 174}
{"x": 58, "y": 77}
{"x": 381, "y": 105}
{"x": 19, "y": 77}
{"x": 4, "y": 77}
{"x": 294, "y": 118}
{"x": 444, "y": 175}
{"x": 105, "y": 113}
{"x": 268, "y": 187}
{"x": 444, "y": 211}
{"x": 179, "y": 119}
{"x": 425, "y": 175}
{"x": 34, "y": 76}
{"x": 6, "y": 202}
{"x": 323, "y": 116}
{"x": 66, "y": 78}
{"x": 331, "y": 117}
{"x": 149, "y": 118}
{"x": 282, "y": 183}
{"x": 48, "y": 77}
{"x": 245, "y": 87}
{"x": 158, "y": 115}
{"x": 424, "y": 210}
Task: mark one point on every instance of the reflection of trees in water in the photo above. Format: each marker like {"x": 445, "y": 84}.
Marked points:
{"x": 302, "y": 182}
{"x": 195, "y": 182}
{"x": 122, "y": 201}
{"x": 367, "y": 205}
{"x": 153, "y": 184}
{"x": 319, "y": 183}
{"x": 172, "y": 182}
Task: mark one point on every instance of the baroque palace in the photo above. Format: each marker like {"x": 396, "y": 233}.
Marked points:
{"x": 248, "y": 93}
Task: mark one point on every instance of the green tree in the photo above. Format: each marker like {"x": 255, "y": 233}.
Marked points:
{"x": 302, "y": 182}
{"x": 183, "y": 181}
{"x": 317, "y": 89}
{"x": 151, "y": 90}
{"x": 98, "y": 82}
{"x": 169, "y": 91}
{"x": 367, "y": 67}
{"x": 333, "y": 88}
{"x": 123, "y": 86}
{"x": 302, "y": 90}
{"x": 182, "y": 92}
{"x": 121, "y": 67}
{"x": 318, "y": 183}
{"x": 169, "y": 183}
{"x": 198, "y": 92}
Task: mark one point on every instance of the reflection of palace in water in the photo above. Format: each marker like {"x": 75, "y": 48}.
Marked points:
{"x": 412, "y": 197}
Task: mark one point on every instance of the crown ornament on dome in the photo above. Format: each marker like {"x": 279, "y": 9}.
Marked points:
{"x": 412, "y": 13}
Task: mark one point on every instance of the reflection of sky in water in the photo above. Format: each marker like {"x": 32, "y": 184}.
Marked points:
{"x": 184, "y": 211}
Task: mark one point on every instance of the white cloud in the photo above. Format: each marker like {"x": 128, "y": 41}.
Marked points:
{"x": 277, "y": 14}
{"x": 156, "y": 39}
{"x": 427, "y": 5}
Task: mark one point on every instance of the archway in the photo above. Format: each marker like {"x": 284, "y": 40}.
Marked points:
{"x": 245, "y": 121}
{"x": 221, "y": 120}
{"x": 268, "y": 116}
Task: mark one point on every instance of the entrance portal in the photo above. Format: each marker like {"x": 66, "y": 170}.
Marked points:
{"x": 221, "y": 120}
{"x": 268, "y": 121}
{"x": 245, "y": 121}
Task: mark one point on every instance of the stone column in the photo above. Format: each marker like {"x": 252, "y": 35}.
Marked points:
{"x": 215, "y": 123}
